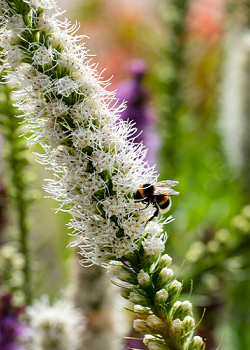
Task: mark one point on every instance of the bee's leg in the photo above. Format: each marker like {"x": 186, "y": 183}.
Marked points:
{"x": 145, "y": 206}
{"x": 156, "y": 213}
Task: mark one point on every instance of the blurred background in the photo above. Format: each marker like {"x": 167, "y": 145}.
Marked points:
{"x": 184, "y": 69}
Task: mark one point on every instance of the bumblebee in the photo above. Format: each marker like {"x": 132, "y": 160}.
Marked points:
{"x": 158, "y": 195}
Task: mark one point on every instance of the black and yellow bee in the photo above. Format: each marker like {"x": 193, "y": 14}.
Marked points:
{"x": 158, "y": 195}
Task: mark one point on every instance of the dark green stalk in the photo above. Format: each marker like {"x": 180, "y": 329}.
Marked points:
{"x": 174, "y": 17}
{"x": 17, "y": 163}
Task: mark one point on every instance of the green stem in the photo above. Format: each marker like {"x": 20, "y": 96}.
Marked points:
{"x": 17, "y": 164}
{"x": 172, "y": 100}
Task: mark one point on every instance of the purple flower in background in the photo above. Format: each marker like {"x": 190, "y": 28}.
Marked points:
{"x": 138, "y": 109}
{"x": 10, "y": 327}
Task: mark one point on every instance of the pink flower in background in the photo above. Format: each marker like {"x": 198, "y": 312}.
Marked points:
{"x": 205, "y": 20}
{"x": 138, "y": 110}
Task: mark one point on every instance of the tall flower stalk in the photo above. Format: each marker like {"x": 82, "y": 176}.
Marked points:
{"x": 173, "y": 13}
{"x": 17, "y": 162}
{"x": 97, "y": 167}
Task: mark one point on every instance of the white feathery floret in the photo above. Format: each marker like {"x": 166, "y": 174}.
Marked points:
{"x": 41, "y": 4}
{"x": 3, "y": 6}
{"x": 65, "y": 86}
{"x": 43, "y": 56}
{"x": 14, "y": 56}
{"x": 153, "y": 245}
{"x": 15, "y": 23}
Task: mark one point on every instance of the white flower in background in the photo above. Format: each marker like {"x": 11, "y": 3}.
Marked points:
{"x": 57, "y": 327}
{"x": 234, "y": 97}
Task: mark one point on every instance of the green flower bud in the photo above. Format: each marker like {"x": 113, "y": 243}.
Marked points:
{"x": 157, "y": 345}
{"x": 148, "y": 338}
{"x": 188, "y": 324}
{"x": 140, "y": 325}
{"x": 123, "y": 273}
{"x": 182, "y": 309}
{"x": 161, "y": 296}
{"x": 174, "y": 289}
{"x": 164, "y": 277}
{"x": 196, "y": 343}
{"x": 142, "y": 312}
{"x": 125, "y": 292}
{"x": 143, "y": 278}
{"x": 165, "y": 261}
{"x": 138, "y": 298}
{"x": 176, "y": 327}
{"x": 155, "y": 323}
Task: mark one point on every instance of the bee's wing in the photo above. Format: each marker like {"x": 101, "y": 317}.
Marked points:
{"x": 165, "y": 191}
{"x": 166, "y": 183}
{"x": 164, "y": 188}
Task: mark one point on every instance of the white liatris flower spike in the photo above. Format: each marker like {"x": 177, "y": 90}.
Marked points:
{"x": 76, "y": 120}
{"x": 59, "y": 326}
{"x": 98, "y": 171}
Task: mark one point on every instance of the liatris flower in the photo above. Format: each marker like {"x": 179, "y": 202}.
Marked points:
{"x": 59, "y": 326}
{"x": 97, "y": 168}
{"x": 138, "y": 110}
{"x": 11, "y": 330}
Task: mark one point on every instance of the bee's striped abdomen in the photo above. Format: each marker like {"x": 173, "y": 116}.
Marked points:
{"x": 163, "y": 201}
